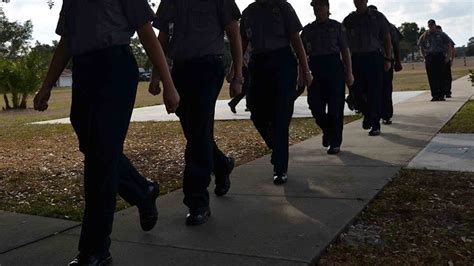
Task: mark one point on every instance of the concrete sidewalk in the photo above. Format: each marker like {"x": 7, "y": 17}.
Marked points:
{"x": 158, "y": 113}
{"x": 262, "y": 224}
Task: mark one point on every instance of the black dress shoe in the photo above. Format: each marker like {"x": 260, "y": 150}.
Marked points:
{"x": 83, "y": 260}
{"x": 387, "y": 121}
{"x": 232, "y": 108}
{"x": 280, "y": 179}
{"x": 198, "y": 218}
{"x": 366, "y": 124}
{"x": 149, "y": 213}
{"x": 334, "y": 150}
{"x": 449, "y": 96}
{"x": 325, "y": 141}
{"x": 375, "y": 132}
{"x": 223, "y": 182}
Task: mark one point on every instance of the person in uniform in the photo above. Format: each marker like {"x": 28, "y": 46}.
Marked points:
{"x": 96, "y": 34}
{"x": 449, "y": 75}
{"x": 369, "y": 39}
{"x": 325, "y": 41}
{"x": 387, "y": 101}
{"x": 435, "y": 46}
{"x": 192, "y": 34}
{"x": 272, "y": 28}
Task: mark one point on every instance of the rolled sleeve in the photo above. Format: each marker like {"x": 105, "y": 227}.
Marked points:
{"x": 293, "y": 23}
{"x": 229, "y": 12}
{"x": 138, "y": 12}
{"x": 61, "y": 27}
{"x": 163, "y": 17}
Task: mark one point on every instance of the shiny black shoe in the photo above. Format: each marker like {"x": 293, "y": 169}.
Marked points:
{"x": 280, "y": 179}
{"x": 375, "y": 132}
{"x": 223, "y": 182}
{"x": 334, "y": 150}
{"x": 325, "y": 141}
{"x": 198, "y": 218}
{"x": 387, "y": 121}
{"x": 88, "y": 260}
{"x": 149, "y": 214}
{"x": 449, "y": 96}
{"x": 366, "y": 124}
{"x": 232, "y": 108}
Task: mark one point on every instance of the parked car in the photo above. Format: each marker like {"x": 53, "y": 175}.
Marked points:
{"x": 145, "y": 76}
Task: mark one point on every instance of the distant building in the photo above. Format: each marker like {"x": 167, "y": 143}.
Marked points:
{"x": 65, "y": 80}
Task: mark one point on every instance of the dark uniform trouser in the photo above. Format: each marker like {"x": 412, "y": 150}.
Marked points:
{"x": 328, "y": 90}
{"x": 436, "y": 68}
{"x": 271, "y": 101}
{"x": 199, "y": 82}
{"x": 387, "y": 101}
{"x": 449, "y": 80}
{"x": 368, "y": 70}
{"x": 103, "y": 95}
{"x": 245, "y": 87}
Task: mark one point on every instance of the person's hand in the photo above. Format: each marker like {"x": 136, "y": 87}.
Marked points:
{"x": 235, "y": 88}
{"x": 387, "y": 66}
{"x": 301, "y": 81}
{"x": 230, "y": 76}
{"x": 171, "y": 99}
{"x": 154, "y": 87}
{"x": 40, "y": 102}
{"x": 398, "y": 66}
{"x": 446, "y": 60}
{"x": 308, "y": 79}
{"x": 349, "y": 79}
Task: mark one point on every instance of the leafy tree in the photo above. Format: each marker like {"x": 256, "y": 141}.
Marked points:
{"x": 410, "y": 31}
{"x": 470, "y": 47}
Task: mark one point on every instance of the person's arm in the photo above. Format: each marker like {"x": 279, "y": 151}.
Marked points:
{"x": 59, "y": 62}
{"x": 155, "y": 52}
{"x": 233, "y": 33}
{"x": 155, "y": 80}
{"x": 387, "y": 45}
{"x": 346, "y": 59}
{"x": 298, "y": 47}
{"x": 396, "y": 52}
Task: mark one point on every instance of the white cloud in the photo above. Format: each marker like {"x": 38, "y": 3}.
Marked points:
{"x": 456, "y": 16}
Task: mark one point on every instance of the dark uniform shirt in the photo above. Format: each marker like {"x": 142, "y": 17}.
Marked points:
{"x": 395, "y": 34}
{"x": 96, "y": 24}
{"x": 195, "y": 27}
{"x": 435, "y": 42}
{"x": 322, "y": 38}
{"x": 366, "y": 32}
{"x": 268, "y": 26}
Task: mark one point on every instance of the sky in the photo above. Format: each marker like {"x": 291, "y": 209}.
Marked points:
{"x": 455, "y": 16}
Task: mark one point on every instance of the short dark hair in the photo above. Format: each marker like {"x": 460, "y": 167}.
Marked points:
{"x": 431, "y": 21}
{"x": 324, "y": 2}
{"x": 439, "y": 27}
{"x": 372, "y": 7}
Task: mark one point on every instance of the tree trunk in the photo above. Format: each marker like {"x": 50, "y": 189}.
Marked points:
{"x": 15, "y": 101}
{"x": 7, "y": 103}
{"x": 24, "y": 98}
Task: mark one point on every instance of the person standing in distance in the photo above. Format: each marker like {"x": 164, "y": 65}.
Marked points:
{"x": 435, "y": 46}
{"x": 387, "y": 101}
{"x": 325, "y": 41}
{"x": 368, "y": 33}
{"x": 245, "y": 87}
{"x": 272, "y": 28}
{"x": 192, "y": 34}
{"x": 105, "y": 79}
{"x": 449, "y": 75}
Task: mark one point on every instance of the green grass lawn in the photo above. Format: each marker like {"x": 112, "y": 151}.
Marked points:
{"x": 463, "y": 121}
